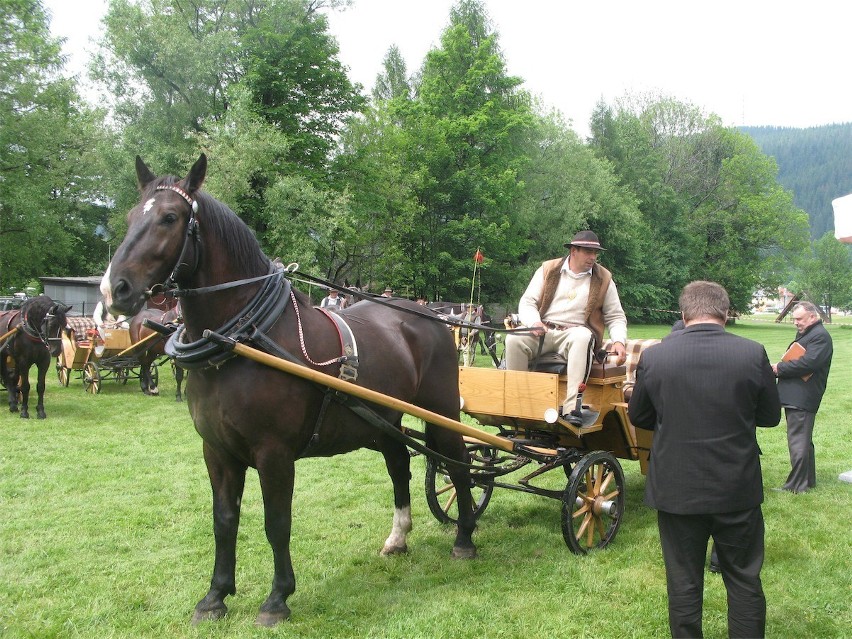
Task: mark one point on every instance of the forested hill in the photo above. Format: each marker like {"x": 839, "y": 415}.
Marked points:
{"x": 815, "y": 164}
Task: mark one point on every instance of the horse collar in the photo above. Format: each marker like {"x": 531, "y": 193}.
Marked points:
{"x": 193, "y": 204}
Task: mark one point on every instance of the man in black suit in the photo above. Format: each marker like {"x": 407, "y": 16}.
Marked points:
{"x": 703, "y": 392}
{"x": 801, "y": 385}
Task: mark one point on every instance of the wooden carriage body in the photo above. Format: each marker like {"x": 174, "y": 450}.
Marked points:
{"x": 529, "y": 401}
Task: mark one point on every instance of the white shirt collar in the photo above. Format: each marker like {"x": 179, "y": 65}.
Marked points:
{"x": 566, "y": 269}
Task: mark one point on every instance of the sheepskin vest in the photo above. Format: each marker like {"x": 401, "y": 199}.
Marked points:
{"x": 598, "y": 286}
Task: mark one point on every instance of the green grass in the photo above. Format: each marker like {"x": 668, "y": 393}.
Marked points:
{"x": 105, "y": 531}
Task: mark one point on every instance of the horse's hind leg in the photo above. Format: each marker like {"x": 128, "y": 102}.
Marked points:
{"x": 277, "y": 473}
{"x": 25, "y": 393}
{"x": 398, "y": 462}
{"x": 227, "y": 478}
{"x": 451, "y": 445}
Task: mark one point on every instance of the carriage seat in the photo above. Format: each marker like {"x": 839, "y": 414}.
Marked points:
{"x": 634, "y": 352}
{"x": 555, "y": 363}
{"x": 80, "y": 327}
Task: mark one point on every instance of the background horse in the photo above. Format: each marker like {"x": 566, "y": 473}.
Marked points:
{"x": 39, "y": 323}
{"x": 251, "y": 415}
{"x": 156, "y": 347}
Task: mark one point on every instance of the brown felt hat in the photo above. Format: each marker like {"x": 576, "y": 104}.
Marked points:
{"x": 586, "y": 239}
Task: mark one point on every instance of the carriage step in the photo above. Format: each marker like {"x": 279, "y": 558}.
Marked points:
{"x": 579, "y": 431}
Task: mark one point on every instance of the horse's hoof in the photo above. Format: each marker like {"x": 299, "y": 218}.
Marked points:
{"x": 387, "y": 551}
{"x": 270, "y": 619}
{"x": 13, "y": 409}
{"x": 25, "y": 415}
{"x": 213, "y": 614}
{"x": 42, "y": 416}
{"x": 464, "y": 553}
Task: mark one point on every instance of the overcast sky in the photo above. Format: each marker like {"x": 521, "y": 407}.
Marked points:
{"x": 752, "y": 62}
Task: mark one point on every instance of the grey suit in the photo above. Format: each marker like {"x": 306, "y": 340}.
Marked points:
{"x": 703, "y": 392}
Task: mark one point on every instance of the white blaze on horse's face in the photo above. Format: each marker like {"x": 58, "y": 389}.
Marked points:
{"x": 148, "y": 205}
{"x": 106, "y": 289}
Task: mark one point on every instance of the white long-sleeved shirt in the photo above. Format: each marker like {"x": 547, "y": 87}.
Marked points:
{"x": 569, "y": 303}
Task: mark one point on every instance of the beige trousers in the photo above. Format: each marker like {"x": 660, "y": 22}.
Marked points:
{"x": 575, "y": 345}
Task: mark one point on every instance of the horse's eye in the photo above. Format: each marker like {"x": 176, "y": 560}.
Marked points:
{"x": 169, "y": 218}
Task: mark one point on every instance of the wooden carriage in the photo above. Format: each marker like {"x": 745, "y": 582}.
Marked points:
{"x": 524, "y": 408}
{"x": 95, "y": 355}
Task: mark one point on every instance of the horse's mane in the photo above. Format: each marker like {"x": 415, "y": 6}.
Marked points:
{"x": 238, "y": 240}
{"x": 36, "y": 307}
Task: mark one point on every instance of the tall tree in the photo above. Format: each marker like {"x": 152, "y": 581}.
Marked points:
{"x": 825, "y": 273}
{"x": 48, "y": 220}
{"x": 471, "y": 122}
{"x": 709, "y": 198}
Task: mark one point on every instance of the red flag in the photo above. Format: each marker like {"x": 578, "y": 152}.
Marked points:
{"x": 478, "y": 257}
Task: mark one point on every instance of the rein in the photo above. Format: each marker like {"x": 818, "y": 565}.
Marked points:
{"x": 293, "y": 269}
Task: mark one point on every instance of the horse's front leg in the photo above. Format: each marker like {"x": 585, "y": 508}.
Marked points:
{"x": 227, "y": 479}
{"x": 41, "y": 384}
{"x": 277, "y": 474}
{"x": 179, "y": 380}
{"x": 398, "y": 463}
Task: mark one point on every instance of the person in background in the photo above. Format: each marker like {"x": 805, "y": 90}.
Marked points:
{"x": 104, "y": 320}
{"x": 333, "y": 301}
{"x": 801, "y": 385}
{"x": 388, "y": 292}
{"x": 567, "y": 304}
{"x": 704, "y": 475}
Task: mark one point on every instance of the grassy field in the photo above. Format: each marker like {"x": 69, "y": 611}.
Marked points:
{"x": 105, "y": 531}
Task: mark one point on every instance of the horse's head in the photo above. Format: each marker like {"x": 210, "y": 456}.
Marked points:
{"x": 53, "y": 325}
{"x": 161, "y": 245}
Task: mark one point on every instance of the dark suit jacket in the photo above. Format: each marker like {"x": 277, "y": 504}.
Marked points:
{"x": 807, "y": 395}
{"x": 703, "y": 392}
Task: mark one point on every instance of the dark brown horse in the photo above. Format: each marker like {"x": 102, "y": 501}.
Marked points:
{"x": 251, "y": 415}
{"x": 39, "y": 324}
{"x": 156, "y": 348}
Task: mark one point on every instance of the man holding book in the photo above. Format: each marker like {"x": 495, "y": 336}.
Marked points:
{"x": 802, "y": 375}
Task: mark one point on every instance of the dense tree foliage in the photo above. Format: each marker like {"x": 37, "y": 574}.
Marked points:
{"x": 710, "y": 199}
{"x": 400, "y": 188}
{"x": 813, "y": 163}
{"x": 824, "y": 274}
{"x": 48, "y": 190}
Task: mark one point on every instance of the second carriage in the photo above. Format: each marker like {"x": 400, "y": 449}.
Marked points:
{"x": 98, "y": 356}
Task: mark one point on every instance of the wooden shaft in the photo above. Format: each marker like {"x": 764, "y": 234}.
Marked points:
{"x": 133, "y": 347}
{"x": 372, "y": 396}
{"x": 9, "y": 334}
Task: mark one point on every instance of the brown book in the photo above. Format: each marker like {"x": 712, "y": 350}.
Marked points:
{"x": 795, "y": 351}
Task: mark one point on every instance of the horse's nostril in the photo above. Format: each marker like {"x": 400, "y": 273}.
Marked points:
{"x": 121, "y": 290}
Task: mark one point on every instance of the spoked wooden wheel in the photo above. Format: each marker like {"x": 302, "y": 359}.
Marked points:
{"x": 441, "y": 493}
{"x": 62, "y": 371}
{"x": 92, "y": 378}
{"x": 593, "y": 503}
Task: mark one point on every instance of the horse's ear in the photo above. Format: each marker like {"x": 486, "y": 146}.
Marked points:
{"x": 143, "y": 174}
{"x": 65, "y": 308}
{"x": 196, "y": 175}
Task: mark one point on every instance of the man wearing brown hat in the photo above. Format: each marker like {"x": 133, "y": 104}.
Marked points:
{"x": 568, "y": 303}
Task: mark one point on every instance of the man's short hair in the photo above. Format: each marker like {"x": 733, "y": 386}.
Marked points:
{"x": 704, "y": 299}
{"x": 808, "y": 307}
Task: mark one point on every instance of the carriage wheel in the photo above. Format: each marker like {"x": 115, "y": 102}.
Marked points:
{"x": 593, "y": 503}
{"x": 441, "y": 492}
{"x": 92, "y": 378}
{"x": 121, "y": 375}
{"x": 62, "y": 371}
